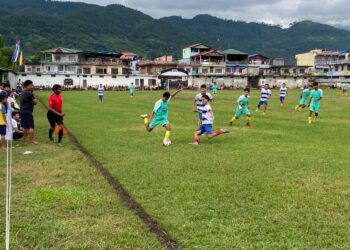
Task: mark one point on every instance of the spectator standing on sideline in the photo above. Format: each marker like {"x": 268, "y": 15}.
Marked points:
{"x": 28, "y": 102}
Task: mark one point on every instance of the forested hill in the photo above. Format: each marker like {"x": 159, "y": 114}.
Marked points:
{"x": 42, "y": 24}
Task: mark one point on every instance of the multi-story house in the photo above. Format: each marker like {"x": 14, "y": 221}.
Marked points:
{"x": 68, "y": 61}
{"x": 192, "y": 50}
{"x": 236, "y": 62}
{"x": 212, "y": 62}
{"x": 259, "y": 64}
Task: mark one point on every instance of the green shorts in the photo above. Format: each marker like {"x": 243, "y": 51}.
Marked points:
{"x": 243, "y": 111}
{"x": 158, "y": 121}
{"x": 315, "y": 108}
{"x": 303, "y": 101}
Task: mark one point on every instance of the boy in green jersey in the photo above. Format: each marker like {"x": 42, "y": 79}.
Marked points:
{"x": 132, "y": 90}
{"x": 303, "y": 98}
{"x": 315, "y": 101}
{"x": 215, "y": 89}
{"x": 159, "y": 115}
{"x": 242, "y": 108}
{"x": 345, "y": 88}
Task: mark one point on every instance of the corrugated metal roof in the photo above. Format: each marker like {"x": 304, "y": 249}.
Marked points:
{"x": 62, "y": 50}
{"x": 233, "y": 52}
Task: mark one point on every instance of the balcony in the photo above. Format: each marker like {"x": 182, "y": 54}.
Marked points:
{"x": 47, "y": 62}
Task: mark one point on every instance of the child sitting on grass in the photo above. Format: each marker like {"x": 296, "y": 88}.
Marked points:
{"x": 17, "y": 131}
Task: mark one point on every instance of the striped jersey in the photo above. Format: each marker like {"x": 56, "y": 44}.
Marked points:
{"x": 207, "y": 115}
{"x": 265, "y": 94}
{"x": 199, "y": 102}
{"x": 100, "y": 91}
{"x": 283, "y": 92}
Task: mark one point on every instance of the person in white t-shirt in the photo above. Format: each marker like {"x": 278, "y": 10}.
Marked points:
{"x": 207, "y": 121}
{"x": 198, "y": 105}
{"x": 17, "y": 132}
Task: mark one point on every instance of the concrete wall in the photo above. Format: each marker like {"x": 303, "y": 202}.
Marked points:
{"x": 237, "y": 82}
{"x": 78, "y": 81}
{"x": 291, "y": 82}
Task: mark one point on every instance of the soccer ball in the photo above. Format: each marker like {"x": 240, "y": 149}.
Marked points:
{"x": 166, "y": 142}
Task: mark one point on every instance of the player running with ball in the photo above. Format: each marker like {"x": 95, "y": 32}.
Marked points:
{"x": 159, "y": 116}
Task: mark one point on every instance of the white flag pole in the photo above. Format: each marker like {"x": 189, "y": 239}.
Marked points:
{"x": 9, "y": 138}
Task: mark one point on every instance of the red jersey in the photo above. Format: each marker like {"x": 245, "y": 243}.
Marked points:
{"x": 56, "y": 102}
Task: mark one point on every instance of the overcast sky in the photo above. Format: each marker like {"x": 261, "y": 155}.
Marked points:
{"x": 283, "y": 12}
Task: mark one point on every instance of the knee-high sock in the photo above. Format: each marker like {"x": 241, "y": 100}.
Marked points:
{"x": 218, "y": 132}
{"x": 248, "y": 119}
{"x": 145, "y": 120}
{"x": 60, "y": 135}
{"x": 233, "y": 119}
{"x": 167, "y": 135}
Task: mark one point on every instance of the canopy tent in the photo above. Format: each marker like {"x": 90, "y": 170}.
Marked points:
{"x": 174, "y": 74}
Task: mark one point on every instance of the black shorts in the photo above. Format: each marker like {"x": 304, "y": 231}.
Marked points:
{"x": 27, "y": 120}
{"x": 54, "y": 119}
{"x": 2, "y": 129}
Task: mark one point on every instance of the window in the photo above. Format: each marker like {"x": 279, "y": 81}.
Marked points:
{"x": 48, "y": 68}
{"x": 29, "y": 69}
{"x": 302, "y": 71}
{"x": 37, "y": 69}
{"x": 57, "y": 58}
{"x": 115, "y": 71}
{"x": 218, "y": 71}
{"x": 60, "y": 68}
{"x": 205, "y": 71}
{"x": 70, "y": 68}
{"x": 87, "y": 71}
{"x": 101, "y": 71}
{"x": 71, "y": 58}
{"x": 151, "y": 82}
{"x": 137, "y": 82}
{"x": 286, "y": 71}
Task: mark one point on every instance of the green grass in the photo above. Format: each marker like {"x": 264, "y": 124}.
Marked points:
{"x": 280, "y": 184}
{"x": 60, "y": 202}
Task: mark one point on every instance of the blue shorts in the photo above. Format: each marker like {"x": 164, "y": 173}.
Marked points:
{"x": 282, "y": 98}
{"x": 27, "y": 120}
{"x": 2, "y": 129}
{"x": 263, "y": 102}
{"x": 200, "y": 116}
{"x": 206, "y": 128}
{"x": 100, "y": 97}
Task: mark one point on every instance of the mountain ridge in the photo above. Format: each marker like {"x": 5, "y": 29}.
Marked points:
{"x": 41, "y": 24}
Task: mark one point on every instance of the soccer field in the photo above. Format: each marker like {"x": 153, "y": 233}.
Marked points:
{"x": 281, "y": 183}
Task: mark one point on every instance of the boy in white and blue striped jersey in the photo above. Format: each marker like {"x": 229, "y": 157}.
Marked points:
{"x": 198, "y": 103}
{"x": 100, "y": 93}
{"x": 264, "y": 99}
{"x": 283, "y": 93}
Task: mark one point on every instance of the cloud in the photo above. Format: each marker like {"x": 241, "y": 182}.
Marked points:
{"x": 281, "y": 12}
